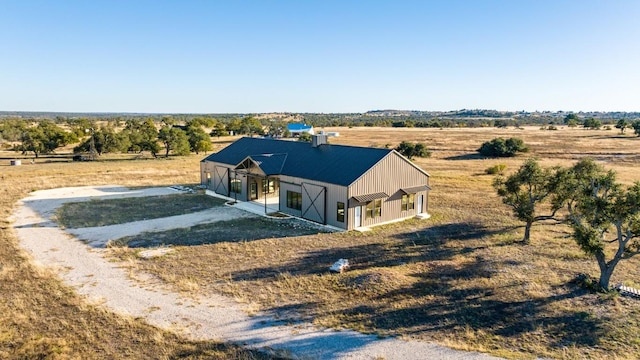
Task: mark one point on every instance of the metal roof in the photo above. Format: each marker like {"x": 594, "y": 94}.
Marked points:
{"x": 415, "y": 189}
{"x": 270, "y": 164}
{"x": 370, "y": 197}
{"x": 298, "y": 127}
{"x": 334, "y": 164}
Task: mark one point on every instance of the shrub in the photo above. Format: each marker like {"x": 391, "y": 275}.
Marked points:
{"x": 410, "y": 149}
{"x": 500, "y": 147}
{"x": 496, "y": 169}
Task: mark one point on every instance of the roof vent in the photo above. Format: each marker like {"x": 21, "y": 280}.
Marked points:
{"x": 317, "y": 140}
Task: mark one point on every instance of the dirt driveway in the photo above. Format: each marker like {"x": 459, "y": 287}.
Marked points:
{"x": 101, "y": 281}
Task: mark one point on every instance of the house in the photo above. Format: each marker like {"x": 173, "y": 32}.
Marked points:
{"x": 343, "y": 186}
{"x": 295, "y": 129}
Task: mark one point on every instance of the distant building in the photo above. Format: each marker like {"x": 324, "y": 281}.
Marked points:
{"x": 295, "y": 129}
{"x": 343, "y": 186}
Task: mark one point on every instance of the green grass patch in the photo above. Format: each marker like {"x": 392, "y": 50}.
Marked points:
{"x": 243, "y": 229}
{"x": 120, "y": 211}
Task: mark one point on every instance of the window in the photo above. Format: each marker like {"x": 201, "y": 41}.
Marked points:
{"x": 340, "y": 215}
{"x": 209, "y": 179}
{"x": 408, "y": 201}
{"x": 268, "y": 187}
{"x": 236, "y": 186}
{"x": 374, "y": 208}
{"x": 294, "y": 200}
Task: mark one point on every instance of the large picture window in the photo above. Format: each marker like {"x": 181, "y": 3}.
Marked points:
{"x": 236, "y": 186}
{"x": 294, "y": 200}
{"x": 374, "y": 208}
{"x": 340, "y": 214}
{"x": 408, "y": 201}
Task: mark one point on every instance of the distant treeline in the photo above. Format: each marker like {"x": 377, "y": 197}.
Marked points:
{"x": 180, "y": 134}
{"x": 382, "y": 118}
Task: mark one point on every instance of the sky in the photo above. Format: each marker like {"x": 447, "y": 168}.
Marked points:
{"x": 324, "y": 56}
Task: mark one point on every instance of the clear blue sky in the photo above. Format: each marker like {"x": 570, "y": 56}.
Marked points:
{"x": 319, "y": 56}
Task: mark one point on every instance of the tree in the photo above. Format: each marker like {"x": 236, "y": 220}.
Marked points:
{"x": 235, "y": 126}
{"x": 202, "y": 122}
{"x": 278, "y": 129}
{"x": 251, "y": 126}
{"x": 44, "y": 138}
{"x": 525, "y": 190}
{"x": 571, "y": 118}
{"x": 604, "y": 216}
{"x": 11, "y": 129}
{"x": 305, "y": 136}
{"x": 142, "y": 136}
{"x": 80, "y": 126}
{"x": 199, "y": 140}
{"x": 174, "y": 139}
{"x": 636, "y": 127}
{"x": 105, "y": 140}
{"x": 622, "y": 124}
{"x": 592, "y": 123}
{"x": 500, "y": 147}
{"x": 219, "y": 130}
{"x": 410, "y": 150}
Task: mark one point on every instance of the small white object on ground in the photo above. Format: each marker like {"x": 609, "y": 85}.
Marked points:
{"x": 149, "y": 254}
{"x": 340, "y": 266}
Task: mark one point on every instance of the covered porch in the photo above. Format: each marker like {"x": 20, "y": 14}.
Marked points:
{"x": 262, "y": 180}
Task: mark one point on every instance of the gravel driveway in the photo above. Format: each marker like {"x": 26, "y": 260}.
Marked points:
{"x": 101, "y": 281}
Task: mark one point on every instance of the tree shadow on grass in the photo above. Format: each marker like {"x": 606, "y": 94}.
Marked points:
{"x": 473, "y": 156}
{"x": 404, "y": 248}
{"x": 476, "y": 309}
{"x": 438, "y": 301}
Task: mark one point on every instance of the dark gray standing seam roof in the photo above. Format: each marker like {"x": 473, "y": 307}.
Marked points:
{"x": 334, "y": 164}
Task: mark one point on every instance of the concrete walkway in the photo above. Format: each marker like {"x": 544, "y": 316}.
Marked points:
{"x": 216, "y": 317}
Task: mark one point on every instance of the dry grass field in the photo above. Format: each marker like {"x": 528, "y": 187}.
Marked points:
{"x": 40, "y": 318}
{"x": 461, "y": 278}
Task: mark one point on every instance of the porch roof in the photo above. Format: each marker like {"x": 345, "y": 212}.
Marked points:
{"x": 415, "y": 189}
{"x": 269, "y": 164}
{"x": 370, "y": 197}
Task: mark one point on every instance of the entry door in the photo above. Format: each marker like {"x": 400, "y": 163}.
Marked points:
{"x": 419, "y": 210}
{"x": 358, "y": 216}
{"x": 253, "y": 191}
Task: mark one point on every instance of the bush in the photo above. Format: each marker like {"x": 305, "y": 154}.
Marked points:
{"x": 410, "y": 150}
{"x": 500, "y": 147}
{"x": 496, "y": 169}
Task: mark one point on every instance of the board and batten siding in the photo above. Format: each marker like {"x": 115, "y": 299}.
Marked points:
{"x": 389, "y": 175}
{"x": 333, "y": 193}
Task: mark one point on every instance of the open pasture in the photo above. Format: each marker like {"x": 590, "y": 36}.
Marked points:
{"x": 460, "y": 278}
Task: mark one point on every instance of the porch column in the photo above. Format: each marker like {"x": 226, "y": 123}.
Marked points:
{"x": 264, "y": 192}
